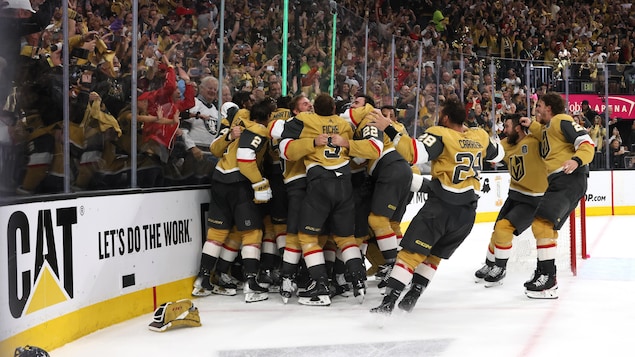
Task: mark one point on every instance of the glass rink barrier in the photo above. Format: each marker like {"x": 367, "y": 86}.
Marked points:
{"x": 127, "y": 95}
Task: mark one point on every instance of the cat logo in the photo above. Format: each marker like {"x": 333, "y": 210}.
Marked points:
{"x": 517, "y": 167}
{"x": 40, "y": 260}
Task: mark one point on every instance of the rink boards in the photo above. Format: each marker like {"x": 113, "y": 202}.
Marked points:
{"x": 74, "y": 266}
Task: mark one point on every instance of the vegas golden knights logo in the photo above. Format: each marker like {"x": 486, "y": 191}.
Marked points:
{"x": 517, "y": 167}
{"x": 544, "y": 145}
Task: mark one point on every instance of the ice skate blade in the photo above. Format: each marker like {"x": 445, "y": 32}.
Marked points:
{"x": 223, "y": 291}
{"x": 285, "y": 295}
{"x": 360, "y": 296}
{"x": 545, "y": 294}
{"x": 320, "y": 300}
{"x": 255, "y": 297}
{"x": 491, "y": 284}
{"x": 380, "y": 311}
{"x": 479, "y": 280}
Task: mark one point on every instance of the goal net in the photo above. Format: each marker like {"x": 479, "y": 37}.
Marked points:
{"x": 571, "y": 245}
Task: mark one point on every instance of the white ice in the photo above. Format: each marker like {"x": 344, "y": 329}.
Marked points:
{"x": 594, "y": 315}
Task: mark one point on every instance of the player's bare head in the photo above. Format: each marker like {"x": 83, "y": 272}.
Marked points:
{"x": 324, "y": 105}
{"x": 390, "y": 112}
{"x": 284, "y": 102}
{"x": 242, "y": 99}
{"x": 261, "y": 111}
{"x": 300, "y": 103}
{"x": 361, "y": 100}
{"x": 555, "y": 101}
{"x": 455, "y": 111}
{"x": 272, "y": 103}
{"x": 512, "y": 127}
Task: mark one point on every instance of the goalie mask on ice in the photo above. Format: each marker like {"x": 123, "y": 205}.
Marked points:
{"x": 175, "y": 314}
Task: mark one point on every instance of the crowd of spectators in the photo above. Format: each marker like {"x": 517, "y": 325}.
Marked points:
{"x": 183, "y": 39}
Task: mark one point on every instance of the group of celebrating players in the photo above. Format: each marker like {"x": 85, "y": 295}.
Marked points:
{"x": 304, "y": 195}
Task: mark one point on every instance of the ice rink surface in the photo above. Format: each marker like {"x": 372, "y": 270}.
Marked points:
{"x": 594, "y": 315}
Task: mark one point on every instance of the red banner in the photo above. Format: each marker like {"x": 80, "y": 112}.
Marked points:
{"x": 620, "y": 106}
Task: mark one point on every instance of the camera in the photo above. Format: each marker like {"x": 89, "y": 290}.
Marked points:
{"x": 55, "y": 47}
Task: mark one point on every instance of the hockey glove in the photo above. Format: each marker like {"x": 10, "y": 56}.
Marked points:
{"x": 262, "y": 191}
{"x": 175, "y": 314}
{"x": 419, "y": 184}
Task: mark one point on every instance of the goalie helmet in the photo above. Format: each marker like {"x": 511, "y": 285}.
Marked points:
{"x": 175, "y": 314}
{"x": 30, "y": 351}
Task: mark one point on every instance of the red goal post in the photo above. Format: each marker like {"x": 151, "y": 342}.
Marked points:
{"x": 577, "y": 235}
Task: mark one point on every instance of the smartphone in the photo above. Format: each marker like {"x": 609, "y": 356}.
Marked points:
{"x": 195, "y": 72}
{"x": 270, "y": 68}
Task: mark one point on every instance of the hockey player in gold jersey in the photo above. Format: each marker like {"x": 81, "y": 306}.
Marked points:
{"x": 567, "y": 150}
{"x": 237, "y": 185}
{"x": 328, "y": 138}
{"x": 447, "y": 217}
{"x": 527, "y": 186}
{"x": 229, "y": 130}
{"x": 275, "y": 211}
{"x": 294, "y": 177}
{"x": 391, "y": 176}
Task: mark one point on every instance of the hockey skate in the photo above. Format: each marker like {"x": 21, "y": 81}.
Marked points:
{"x": 480, "y": 274}
{"x": 224, "y": 285}
{"x": 340, "y": 287}
{"x": 359, "y": 290}
{"x": 202, "y": 286}
{"x": 388, "y": 302}
{"x": 410, "y": 299}
{"x": 317, "y": 294}
{"x": 253, "y": 291}
{"x": 495, "y": 276}
{"x": 359, "y": 287}
{"x": 287, "y": 288}
{"x": 545, "y": 287}
{"x": 270, "y": 280}
{"x": 384, "y": 274}
{"x": 533, "y": 278}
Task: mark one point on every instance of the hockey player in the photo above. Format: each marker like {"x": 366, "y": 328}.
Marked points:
{"x": 237, "y": 186}
{"x": 294, "y": 177}
{"x": 528, "y": 184}
{"x": 329, "y": 191}
{"x": 567, "y": 150}
{"x": 275, "y": 215}
{"x": 391, "y": 177}
{"x": 448, "y": 215}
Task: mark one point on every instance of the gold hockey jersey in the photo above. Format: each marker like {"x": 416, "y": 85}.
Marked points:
{"x": 292, "y": 169}
{"x": 243, "y": 157}
{"x": 310, "y": 125}
{"x": 219, "y": 146}
{"x": 274, "y": 150}
{"x": 561, "y": 139}
{"x": 457, "y": 159}
{"x": 526, "y": 167}
{"x": 382, "y": 143}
